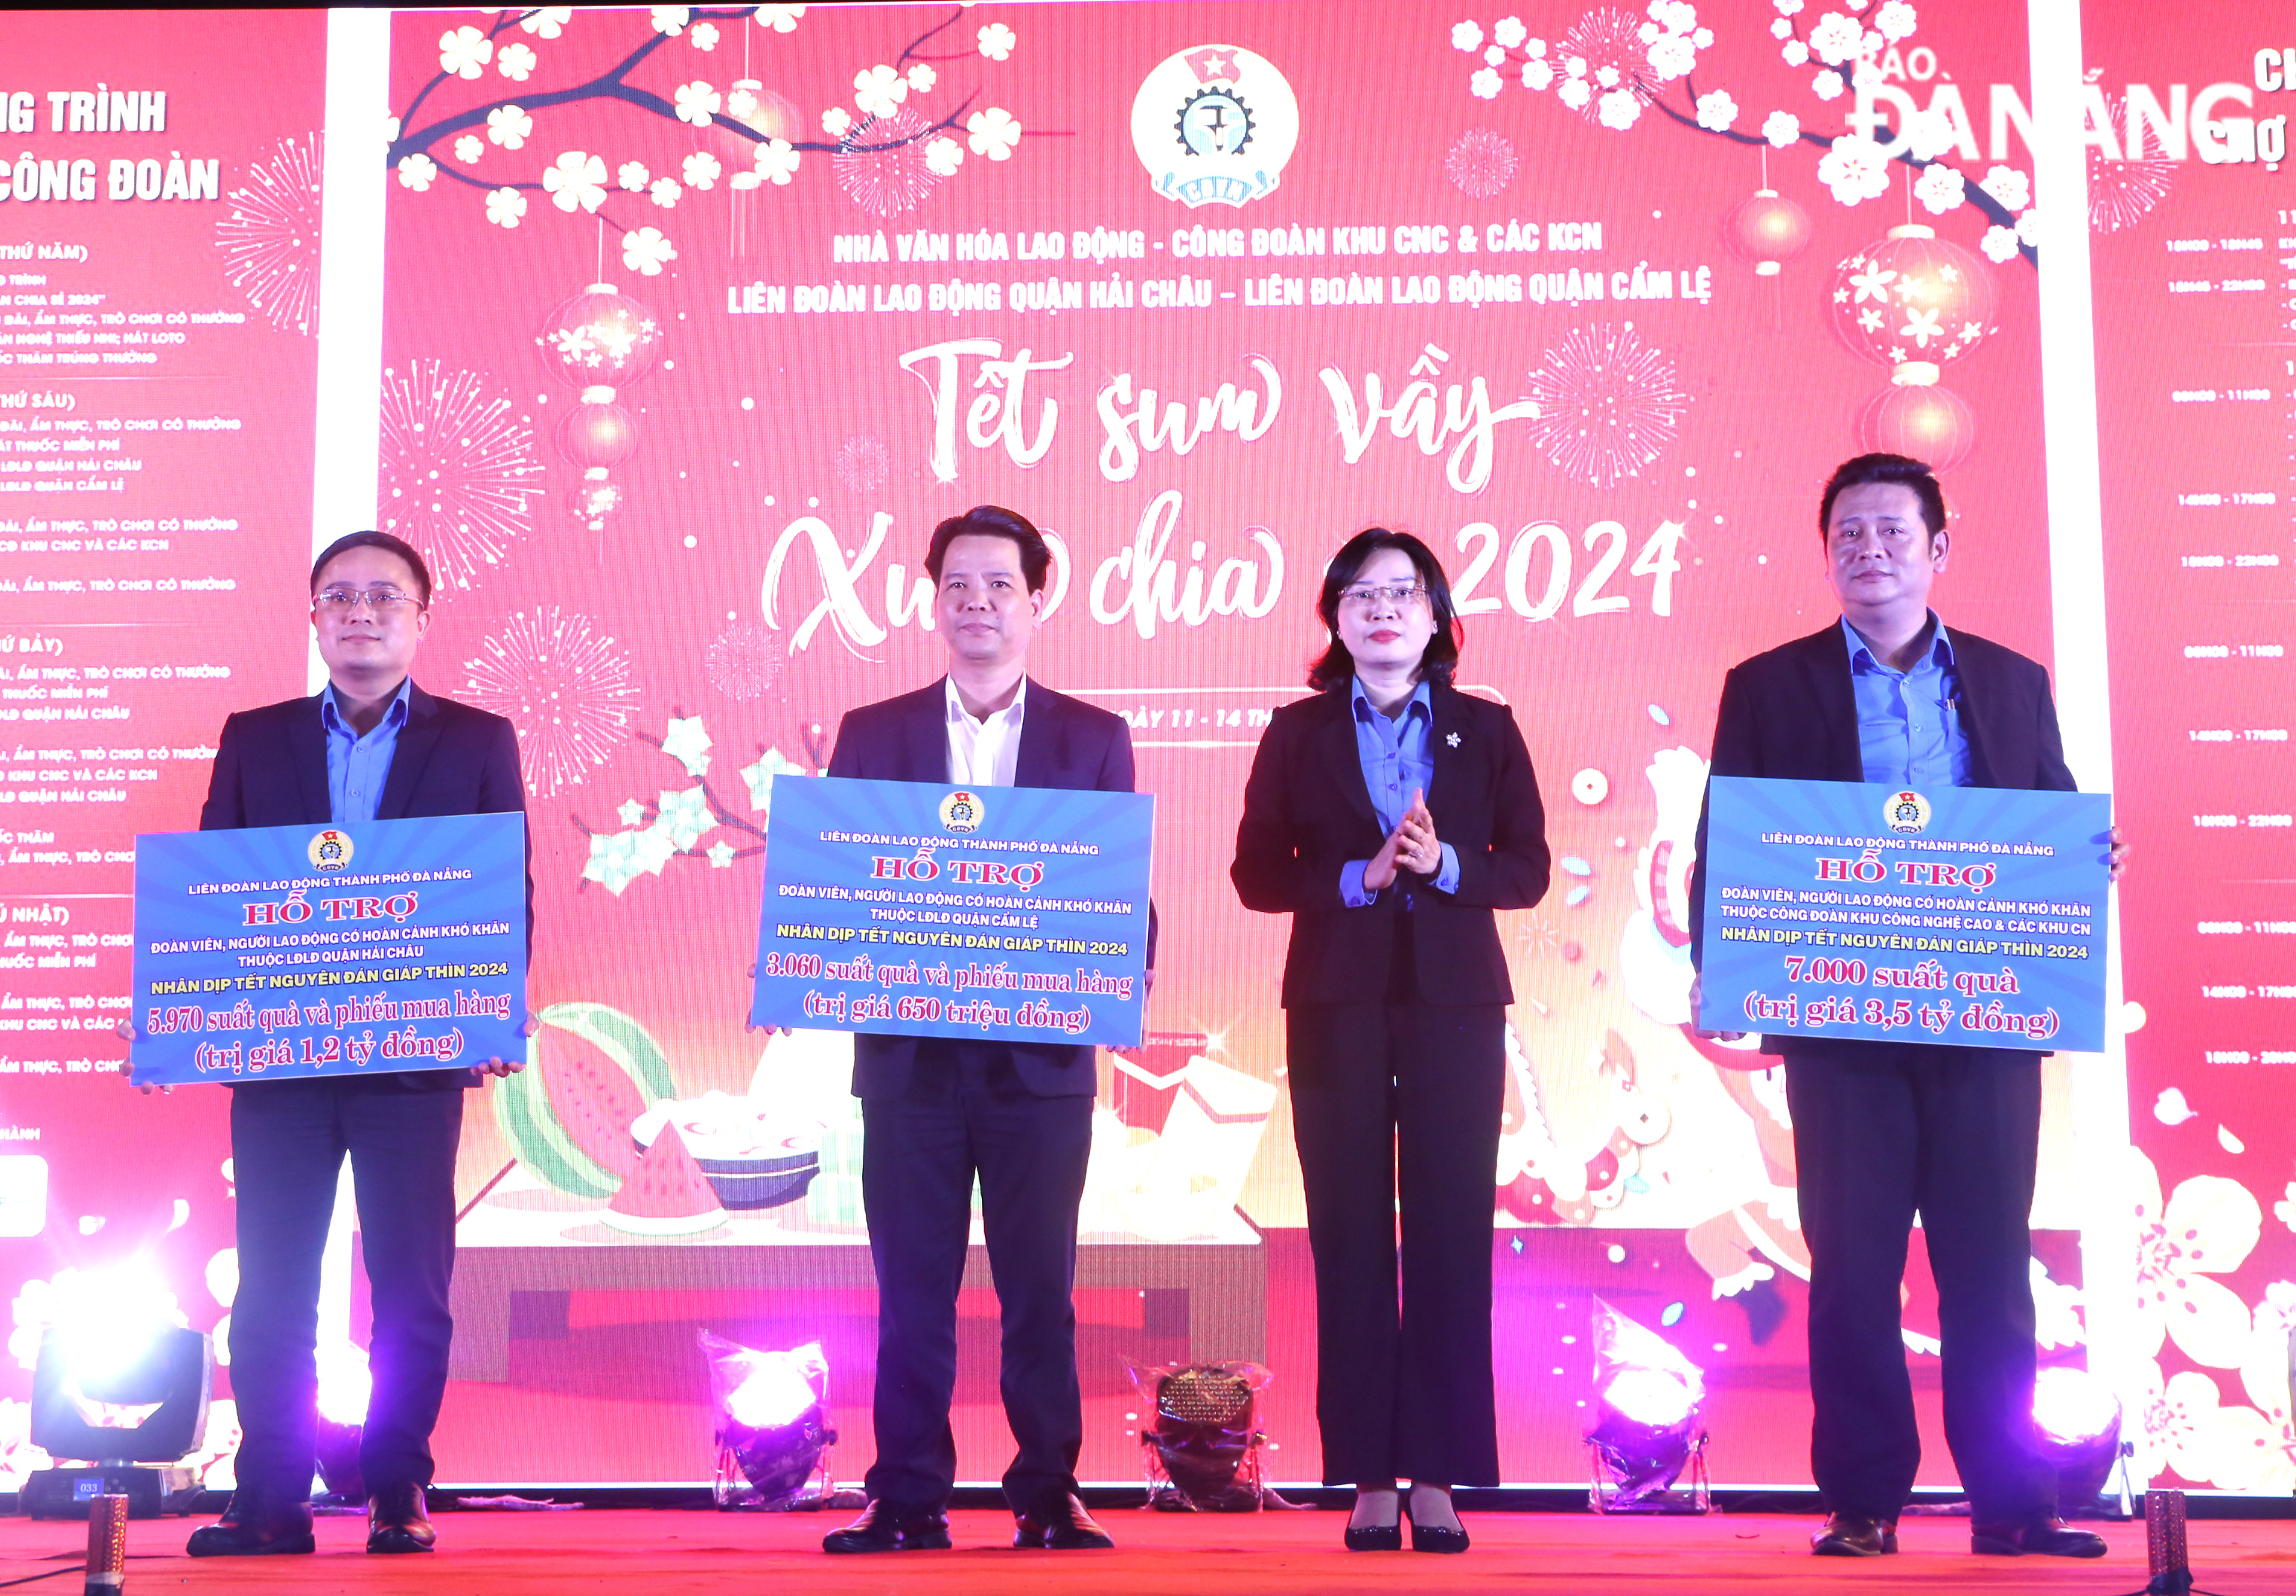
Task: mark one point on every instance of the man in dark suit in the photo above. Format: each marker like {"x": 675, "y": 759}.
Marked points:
{"x": 372, "y": 746}
{"x": 1886, "y": 1130}
{"x": 937, "y": 1113}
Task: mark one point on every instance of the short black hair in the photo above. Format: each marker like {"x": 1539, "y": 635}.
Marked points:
{"x": 1898, "y": 469}
{"x": 1335, "y": 665}
{"x": 372, "y": 539}
{"x": 991, "y": 521}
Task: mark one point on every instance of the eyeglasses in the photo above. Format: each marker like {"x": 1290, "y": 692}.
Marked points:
{"x": 1399, "y": 595}
{"x": 383, "y": 601}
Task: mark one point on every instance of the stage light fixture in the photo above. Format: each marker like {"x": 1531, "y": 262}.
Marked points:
{"x": 118, "y": 1382}
{"x": 2077, "y": 1418}
{"x": 1202, "y": 1450}
{"x": 1647, "y": 1431}
{"x": 773, "y": 1431}
{"x": 346, "y": 1386}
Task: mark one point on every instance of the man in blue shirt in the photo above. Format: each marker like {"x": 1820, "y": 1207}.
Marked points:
{"x": 372, "y": 746}
{"x": 1885, "y": 1132}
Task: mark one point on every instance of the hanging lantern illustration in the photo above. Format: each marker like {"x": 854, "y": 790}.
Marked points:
{"x": 1916, "y": 303}
{"x": 1766, "y": 230}
{"x": 598, "y": 342}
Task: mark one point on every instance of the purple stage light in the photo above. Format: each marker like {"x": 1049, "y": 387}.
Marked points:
{"x": 1647, "y": 1431}
{"x": 2076, "y": 1421}
{"x": 773, "y": 1431}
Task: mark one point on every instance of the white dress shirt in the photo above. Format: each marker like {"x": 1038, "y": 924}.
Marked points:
{"x": 985, "y": 753}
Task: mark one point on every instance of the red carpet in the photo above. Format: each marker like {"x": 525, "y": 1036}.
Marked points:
{"x": 1273, "y": 1554}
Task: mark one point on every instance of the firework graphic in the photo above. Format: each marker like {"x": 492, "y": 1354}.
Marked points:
{"x": 1480, "y": 164}
{"x": 1610, "y": 41}
{"x": 565, "y": 687}
{"x": 863, "y": 464}
{"x": 459, "y": 469}
{"x": 1608, "y": 405}
{"x": 880, "y": 164}
{"x": 744, "y": 660}
{"x": 270, "y": 235}
{"x": 2122, "y": 193}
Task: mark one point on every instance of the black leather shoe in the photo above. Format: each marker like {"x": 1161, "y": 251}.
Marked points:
{"x": 254, "y": 1525}
{"x": 2037, "y": 1537}
{"x": 880, "y": 1528}
{"x": 1062, "y": 1525}
{"x": 1854, "y": 1534}
{"x": 397, "y": 1519}
{"x": 1374, "y": 1537}
{"x": 1431, "y": 1537}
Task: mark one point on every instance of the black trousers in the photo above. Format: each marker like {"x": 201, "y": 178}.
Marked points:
{"x": 1401, "y": 1098}
{"x": 1882, "y": 1132}
{"x": 288, "y": 1142}
{"x": 966, "y": 1114}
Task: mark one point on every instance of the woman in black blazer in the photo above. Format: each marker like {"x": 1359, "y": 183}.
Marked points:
{"x": 1389, "y": 816}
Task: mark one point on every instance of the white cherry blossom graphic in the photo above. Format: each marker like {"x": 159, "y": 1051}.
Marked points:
{"x": 994, "y": 133}
{"x": 464, "y": 52}
{"x": 546, "y": 22}
{"x": 2007, "y": 184}
{"x": 879, "y": 91}
{"x": 921, "y": 78}
{"x": 417, "y": 171}
{"x": 1716, "y": 110}
{"x": 944, "y": 155}
{"x": 836, "y": 121}
{"x": 664, "y": 192}
{"x": 2207, "y": 1227}
{"x": 632, "y": 175}
{"x": 516, "y": 61}
{"x": 697, "y": 102}
{"x": 781, "y": 19}
{"x": 1467, "y": 37}
{"x": 1941, "y": 188}
{"x": 645, "y": 250}
{"x": 997, "y": 41}
{"x": 703, "y": 36}
{"x": 1855, "y": 170}
{"x": 701, "y": 170}
{"x": 510, "y": 126}
{"x": 576, "y": 181}
{"x": 505, "y": 207}
{"x": 776, "y": 161}
{"x": 469, "y": 148}
{"x": 671, "y": 19}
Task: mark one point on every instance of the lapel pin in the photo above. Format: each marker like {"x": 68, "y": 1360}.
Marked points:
{"x": 1452, "y": 738}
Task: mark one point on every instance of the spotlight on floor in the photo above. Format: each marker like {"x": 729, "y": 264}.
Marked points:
{"x": 773, "y": 1433}
{"x": 346, "y": 1386}
{"x": 1647, "y": 1431}
{"x": 2078, "y": 1419}
{"x": 1203, "y": 1449}
{"x": 118, "y": 1383}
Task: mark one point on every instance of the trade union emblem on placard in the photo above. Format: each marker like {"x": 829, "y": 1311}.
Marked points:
{"x": 962, "y": 811}
{"x": 330, "y": 849}
{"x": 1215, "y": 125}
{"x": 1907, "y": 812}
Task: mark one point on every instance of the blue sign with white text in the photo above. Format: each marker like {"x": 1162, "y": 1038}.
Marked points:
{"x": 282, "y": 952}
{"x": 1964, "y": 916}
{"x": 921, "y": 909}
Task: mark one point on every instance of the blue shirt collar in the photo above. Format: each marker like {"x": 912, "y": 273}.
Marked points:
{"x": 1419, "y": 702}
{"x": 331, "y": 716}
{"x": 1861, "y": 658}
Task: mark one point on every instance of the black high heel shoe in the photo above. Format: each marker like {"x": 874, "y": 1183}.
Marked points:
{"x": 1388, "y": 1537}
{"x": 1428, "y": 1537}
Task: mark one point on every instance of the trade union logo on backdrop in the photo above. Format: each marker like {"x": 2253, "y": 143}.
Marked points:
{"x": 1907, "y": 812}
{"x": 1214, "y": 124}
{"x": 329, "y": 850}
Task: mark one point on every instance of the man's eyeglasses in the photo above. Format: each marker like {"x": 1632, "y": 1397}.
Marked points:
{"x": 1401, "y": 596}
{"x": 383, "y": 601}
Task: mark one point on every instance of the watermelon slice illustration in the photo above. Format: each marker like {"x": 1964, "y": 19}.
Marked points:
{"x": 590, "y": 1071}
{"x": 667, "y": 1194}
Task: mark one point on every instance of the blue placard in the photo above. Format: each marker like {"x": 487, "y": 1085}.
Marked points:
{"x": 1963, "y": 916}
{"x": 282, "y": 952}
{"x": 920, "y": 909}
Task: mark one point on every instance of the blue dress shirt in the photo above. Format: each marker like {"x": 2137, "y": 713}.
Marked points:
{"x": 357, "y": 766}
{"x": 1909, "y": 731}
{"x": 1397, "y": 761}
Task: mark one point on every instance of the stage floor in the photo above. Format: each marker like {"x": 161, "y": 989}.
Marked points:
{"x": 1271, "y": 1554}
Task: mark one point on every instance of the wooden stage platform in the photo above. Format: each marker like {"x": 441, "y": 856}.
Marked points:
{"x": 658, "y": 1553}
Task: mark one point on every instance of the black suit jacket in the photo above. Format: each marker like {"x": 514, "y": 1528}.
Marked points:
{"x": 1791, "y": 714}
{"x": 271, "y": 770}
{"x": 1064, "y": 742}
{"x": 1307, "y": 812}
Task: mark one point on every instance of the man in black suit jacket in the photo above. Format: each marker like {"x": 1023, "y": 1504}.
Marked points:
{"x": 938, "y": 1113}
{"x": 1884, "y": 1131}
{"x": 374, "y": 745}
